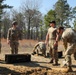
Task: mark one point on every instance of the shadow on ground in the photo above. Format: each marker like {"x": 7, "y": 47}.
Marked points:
{"x": 6, "y": 71}
{"x": 27, "y": 64}
{"x": 33, "y": 64}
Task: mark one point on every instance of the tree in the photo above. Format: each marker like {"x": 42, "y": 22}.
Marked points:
{"x": 30, "y": 10}
{"x": 2, "y": 6}
{"x": 6, "y": 23}
{"x": 75, "y": 24}
{"x": 49, "y": 17}
{"x": 36, "y": 22}
{"x": 62, "y": 10}
{"x": 74, "y": 17}
{"x": 18, "y": 16}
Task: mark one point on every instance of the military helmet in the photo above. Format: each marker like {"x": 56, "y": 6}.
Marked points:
{"x": 14, "y": 23}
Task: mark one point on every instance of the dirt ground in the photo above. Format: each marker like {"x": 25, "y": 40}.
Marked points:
{"x": 38, "y": 65}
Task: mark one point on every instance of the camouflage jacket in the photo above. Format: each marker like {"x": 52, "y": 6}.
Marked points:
{"x": 69, "y": 36}
{"x": 14, "y": 34}
{"x": 40, "y": 45}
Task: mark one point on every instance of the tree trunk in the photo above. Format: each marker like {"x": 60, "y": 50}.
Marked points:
{"x": 28, "y": 33}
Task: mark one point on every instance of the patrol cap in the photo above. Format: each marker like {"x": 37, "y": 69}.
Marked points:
{"x": 61, "y": 28}
{"x": 14, "y": 23}
{"x": 52, "y": 22}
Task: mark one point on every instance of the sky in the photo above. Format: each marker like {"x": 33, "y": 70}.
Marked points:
{"x": 46, "y": 5}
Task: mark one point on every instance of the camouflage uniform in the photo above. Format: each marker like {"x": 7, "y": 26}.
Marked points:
{"x": 40, "y": 46}
{"x": 52, "y": 39}
{"x": 14, "y": 36}
{"x": 69, "y": 36}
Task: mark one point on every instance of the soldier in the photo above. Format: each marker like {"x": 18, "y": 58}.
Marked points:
{"x": 40, "y": 46}
{"x": 69, "y": 36}
{"x": 13, "y": 37}
{"x": 52, "y": 41}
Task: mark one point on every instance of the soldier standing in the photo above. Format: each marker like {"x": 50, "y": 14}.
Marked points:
{"x": 13, "y": 37}
{"x": 52, "y": 41}
{"x": 40, "y": 46}
{"x": 69, "y": 36}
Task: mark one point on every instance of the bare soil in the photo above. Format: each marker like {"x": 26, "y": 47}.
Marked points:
{"x": 38, "y": 65}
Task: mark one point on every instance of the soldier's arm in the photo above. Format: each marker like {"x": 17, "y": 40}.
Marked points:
{"x": 47, "y": 38}
{"x": 57, "y": 39}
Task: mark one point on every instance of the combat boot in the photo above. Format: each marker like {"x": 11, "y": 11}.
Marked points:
{"x": 51, "y": 61}
{"x": 69, "y": 69}
{"x": 56, "y": 64}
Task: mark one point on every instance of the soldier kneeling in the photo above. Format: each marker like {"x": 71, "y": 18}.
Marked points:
{"x": 40, "y": 46}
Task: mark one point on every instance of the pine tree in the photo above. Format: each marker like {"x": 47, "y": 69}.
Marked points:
{"x": 49, "y": 17}
{"x": 62, "y": 10}
{"x": 2, "y": 6}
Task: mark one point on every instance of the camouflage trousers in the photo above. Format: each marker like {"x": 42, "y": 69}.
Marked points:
{"x": 53, "y": 51}
{"x": 14, "y": 47}
{"x": 71, "y": 49}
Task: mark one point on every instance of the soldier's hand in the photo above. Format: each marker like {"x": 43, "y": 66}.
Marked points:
{"x": 46, "y": 42}
{"x": 8, "y": 41}
{"x": 56, "y": 43}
